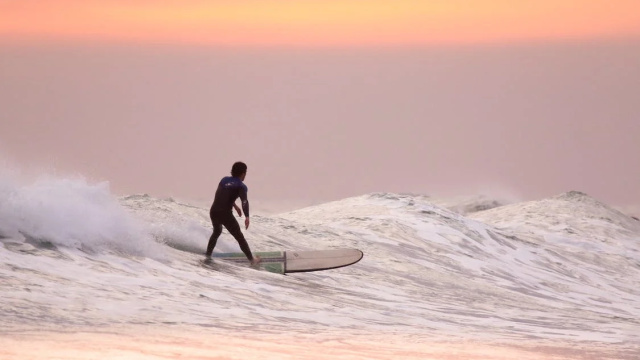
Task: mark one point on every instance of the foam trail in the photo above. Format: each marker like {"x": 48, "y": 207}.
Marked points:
{"x": 71, "y": 213}
{"x": 181, "y": 226}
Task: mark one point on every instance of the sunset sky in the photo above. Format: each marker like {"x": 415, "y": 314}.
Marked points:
{"x": 326, "y": 99}
{"x": 317, "y": 22}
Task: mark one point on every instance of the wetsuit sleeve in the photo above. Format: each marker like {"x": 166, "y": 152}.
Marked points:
{"x": 244, "y": 200}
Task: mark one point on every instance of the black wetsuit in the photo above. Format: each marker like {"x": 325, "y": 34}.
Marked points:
{"x": 221, "y": 213}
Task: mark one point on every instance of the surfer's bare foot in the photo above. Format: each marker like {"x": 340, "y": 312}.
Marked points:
{"x": 256, "y": 260}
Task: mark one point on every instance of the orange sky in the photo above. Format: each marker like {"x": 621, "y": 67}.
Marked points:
{"x": 317, "y": 22}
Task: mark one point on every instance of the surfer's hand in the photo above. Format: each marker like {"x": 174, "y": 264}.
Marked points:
{"x": 246, "y": 223}
{"x": 238, "y": 210}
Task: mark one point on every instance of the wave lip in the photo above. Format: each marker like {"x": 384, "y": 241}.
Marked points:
{"x": 71, "y": 213}
{"x": 573, "y": 214}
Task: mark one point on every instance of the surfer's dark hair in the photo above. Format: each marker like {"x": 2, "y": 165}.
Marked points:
{"x": 238, "y": 168}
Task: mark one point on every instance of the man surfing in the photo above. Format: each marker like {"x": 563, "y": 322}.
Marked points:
{"x": 229, "y": 189}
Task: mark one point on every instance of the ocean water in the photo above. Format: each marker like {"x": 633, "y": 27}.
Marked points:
{"x": 85, "y": 274}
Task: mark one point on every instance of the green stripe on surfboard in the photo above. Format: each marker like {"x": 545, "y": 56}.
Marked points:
{"x": 272, "y": 261}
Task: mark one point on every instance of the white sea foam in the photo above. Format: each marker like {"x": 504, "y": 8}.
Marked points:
{"x": 562, "y": 269}
{"x": 71, "y": 213}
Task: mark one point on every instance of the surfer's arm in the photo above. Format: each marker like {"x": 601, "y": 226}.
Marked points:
{"x": 237, "y": 209}
{"x": 244, "y": 201}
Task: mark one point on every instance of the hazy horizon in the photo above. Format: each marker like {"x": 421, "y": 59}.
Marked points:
{"x": 531, "y": 120}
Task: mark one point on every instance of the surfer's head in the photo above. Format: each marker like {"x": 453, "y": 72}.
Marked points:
{"x": 239, "y": 169}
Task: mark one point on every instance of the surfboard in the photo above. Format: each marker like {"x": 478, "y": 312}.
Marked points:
{"x": 284, "y": 262}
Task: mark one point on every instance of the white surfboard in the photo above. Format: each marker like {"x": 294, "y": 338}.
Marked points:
{"x": 284, "y": 262}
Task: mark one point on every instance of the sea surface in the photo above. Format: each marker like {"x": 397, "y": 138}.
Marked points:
{"x": 85, "y": 274}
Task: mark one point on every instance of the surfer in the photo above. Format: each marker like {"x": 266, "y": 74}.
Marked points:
{"x": 229, "y": 189}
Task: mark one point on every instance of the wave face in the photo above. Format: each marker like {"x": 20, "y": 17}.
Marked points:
{"x": 562, "y": 269}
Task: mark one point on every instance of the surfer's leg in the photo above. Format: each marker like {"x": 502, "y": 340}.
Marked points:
{"x": 217, "y": 230}
{"x": 234, "y": 229}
